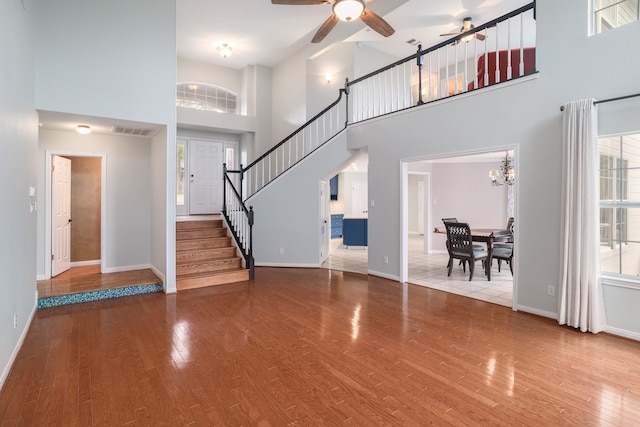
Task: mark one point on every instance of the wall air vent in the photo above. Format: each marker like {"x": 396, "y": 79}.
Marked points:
{"x": 413, "y": 42}
{"x": 131, "y": 131}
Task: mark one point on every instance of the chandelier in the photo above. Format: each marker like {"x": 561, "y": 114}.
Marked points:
{"x": 506, "y": 174}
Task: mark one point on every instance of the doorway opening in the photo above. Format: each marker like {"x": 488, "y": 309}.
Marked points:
{"x": 75, "y": 210}
{"x": 348, "y": 217}
{"x": 457, "y": 186}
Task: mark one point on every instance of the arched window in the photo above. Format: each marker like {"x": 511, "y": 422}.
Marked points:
{"x": 202, "y": 96}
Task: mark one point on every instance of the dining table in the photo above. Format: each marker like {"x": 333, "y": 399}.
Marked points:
{"x": 488, "y": 236}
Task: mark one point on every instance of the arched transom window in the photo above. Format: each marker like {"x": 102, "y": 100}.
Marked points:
{"x": 202, "y": 96}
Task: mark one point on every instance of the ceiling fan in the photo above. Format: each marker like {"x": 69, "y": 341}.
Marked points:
{"x": 466, "y": 26}
{"x": 344, "y": 10}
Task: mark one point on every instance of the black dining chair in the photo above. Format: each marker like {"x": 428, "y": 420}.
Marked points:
{"x": 503, "y": 251}
{"x": 462, "y": 262}
{"x": 461, "y": 247}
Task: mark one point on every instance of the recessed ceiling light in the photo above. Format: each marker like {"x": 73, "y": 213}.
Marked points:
{"x": 83, "y": 129}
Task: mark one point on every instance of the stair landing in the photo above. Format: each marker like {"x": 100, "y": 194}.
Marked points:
{"x": 205, "y": 255}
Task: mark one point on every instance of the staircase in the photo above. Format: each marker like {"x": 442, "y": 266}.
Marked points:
{"x": 205, "y": 255}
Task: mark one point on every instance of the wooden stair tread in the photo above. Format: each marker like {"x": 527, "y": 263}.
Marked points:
{"x": 191, "y": 225}
{"x": 201, "y": 280}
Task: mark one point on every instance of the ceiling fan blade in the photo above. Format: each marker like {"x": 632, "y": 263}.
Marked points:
{"x": 450, "y": 34}
{"x": 325, "y": 28}
{"x": 376, "y": 23}
{"x": 480, "y": 37}
{"x": 298, "y": 2}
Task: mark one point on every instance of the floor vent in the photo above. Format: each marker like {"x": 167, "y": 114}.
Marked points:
{"x": 131, "y": 131}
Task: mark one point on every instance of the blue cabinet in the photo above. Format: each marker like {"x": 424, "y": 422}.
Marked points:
{"x": 336, "y": 225}
{"x": 355, "y": 232}
{"x": 333, "y": 188}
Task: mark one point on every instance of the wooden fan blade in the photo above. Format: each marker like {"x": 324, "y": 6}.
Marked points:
{"x": 376, "y": 23}
{"x": 298, "y": 2}
{"x": 450, "y": 34}
{"x": 480, "y": 37}
{"x": 325, "y": 28}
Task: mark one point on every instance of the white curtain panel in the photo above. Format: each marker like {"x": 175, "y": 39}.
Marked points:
{"x": 581, "y": 302}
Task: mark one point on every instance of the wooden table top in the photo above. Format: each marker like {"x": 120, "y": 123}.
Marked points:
{"x": 480, "y": 232}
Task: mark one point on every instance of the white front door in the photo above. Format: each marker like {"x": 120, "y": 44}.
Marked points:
{"x": 61, "y": 218}
{"x": 359, "y": 199}
{"x": 205, "y": 177}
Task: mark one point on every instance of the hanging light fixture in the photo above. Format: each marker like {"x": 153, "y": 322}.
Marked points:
{"x": 505, "y": 175}
{"x": 348, "y": 10}
{"x": 225, "y": 50}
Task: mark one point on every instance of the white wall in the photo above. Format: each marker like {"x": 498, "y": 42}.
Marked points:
{"x": 162, "y": 256}
{"x": 189, "y": 70}
{"x": 464, "y": 191}
{"x": 128, "y": 187}
{"x": 18, "y": 141}
{"x": 339, "y": 60}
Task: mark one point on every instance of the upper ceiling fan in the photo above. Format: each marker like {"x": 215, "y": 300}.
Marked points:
{"x": 345, "y": 10}
{"x": 466, "y": 26}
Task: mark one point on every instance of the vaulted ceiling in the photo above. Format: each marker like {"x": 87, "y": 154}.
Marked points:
{"x": 264, "y": 33}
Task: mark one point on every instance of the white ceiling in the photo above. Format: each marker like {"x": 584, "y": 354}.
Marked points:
{"x": 265, "y": 34}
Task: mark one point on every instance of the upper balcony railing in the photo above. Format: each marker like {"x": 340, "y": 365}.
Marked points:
{"x": 495, "y": 52}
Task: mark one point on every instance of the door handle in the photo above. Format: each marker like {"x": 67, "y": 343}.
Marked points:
{"x": 70, "y": 221}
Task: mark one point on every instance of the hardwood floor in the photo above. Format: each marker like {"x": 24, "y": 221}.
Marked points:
{"x": 315, "y": 347}
{"x": 89, "y": 278}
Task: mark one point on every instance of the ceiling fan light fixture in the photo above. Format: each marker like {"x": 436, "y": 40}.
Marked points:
{"x": 348, "y": 10}
{"x": 225, "y": 50}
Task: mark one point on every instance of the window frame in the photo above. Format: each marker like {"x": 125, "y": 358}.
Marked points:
{"x": 600, "y": 20}
{"x": 207, "y": 97}
{"x": 618, "y": 201}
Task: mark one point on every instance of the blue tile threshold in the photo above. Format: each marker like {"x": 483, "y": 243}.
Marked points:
{"x": 80, "y": 297}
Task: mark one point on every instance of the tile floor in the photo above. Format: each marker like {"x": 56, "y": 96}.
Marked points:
{"x": 430, "y": 270}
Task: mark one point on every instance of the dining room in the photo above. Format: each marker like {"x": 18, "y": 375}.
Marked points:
{"x": 476, "y": 190}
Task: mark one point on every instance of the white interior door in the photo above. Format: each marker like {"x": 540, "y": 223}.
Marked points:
{"x": 205, "y": 176}
{"x": 324, "y": 221}
{"x": 359, "y": 199}
{"x": 61, "y": 215}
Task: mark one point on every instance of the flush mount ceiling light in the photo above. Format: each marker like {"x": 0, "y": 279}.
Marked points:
{"x": 348, "y": 10}
{"x": 225, "y": 50}
{"x": 83, "y": 129}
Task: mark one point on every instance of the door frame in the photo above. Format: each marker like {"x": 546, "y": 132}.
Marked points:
{"x": 48, "y": 211}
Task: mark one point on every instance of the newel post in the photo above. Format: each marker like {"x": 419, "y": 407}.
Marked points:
{"x": 241, "y": 178}
{"x": 224, "y": 187}
{"x": 419, "y": 61}
{"x": 346, "y": 93}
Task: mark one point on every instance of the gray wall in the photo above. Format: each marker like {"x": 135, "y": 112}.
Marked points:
{"x": 19, "y": 141}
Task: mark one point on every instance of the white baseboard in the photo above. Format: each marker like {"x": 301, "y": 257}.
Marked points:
{"x": 384, "y": 275}
{"x": 623, "y": 333}
{"x": 538, "y": 312}
{"x": 157, "y": 273}
{"x": 127, "y": 268}
{"x": 279, "y": 264}
{"x": 83, "y": 263}
{"x": 18, "y": 346}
